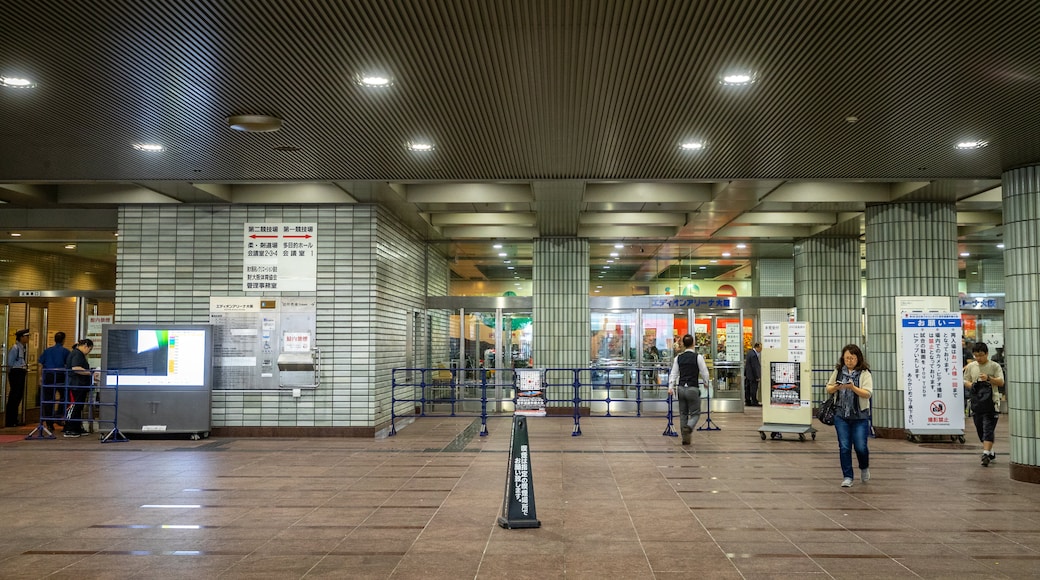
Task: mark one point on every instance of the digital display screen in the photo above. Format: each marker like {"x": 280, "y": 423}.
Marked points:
{"x": 155, "y": 357}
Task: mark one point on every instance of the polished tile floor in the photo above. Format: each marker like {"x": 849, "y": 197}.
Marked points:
{"x": 619, "y": 502}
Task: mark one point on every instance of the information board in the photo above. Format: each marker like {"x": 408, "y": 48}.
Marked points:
{"x": 930, "y": 353}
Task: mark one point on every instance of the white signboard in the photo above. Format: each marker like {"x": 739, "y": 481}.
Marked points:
{"x": 734, "y": 342}
{"x": 930, "y": 353}
{"x": 280, "y": 257}
{"x": 771, "y": 335}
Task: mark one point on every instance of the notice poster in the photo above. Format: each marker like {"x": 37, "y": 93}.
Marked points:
{"x": 930, "y": 353}
{"x": 785, "y": 384}
{"x": 771, "y": 335}
{"x": 530, "y": 395}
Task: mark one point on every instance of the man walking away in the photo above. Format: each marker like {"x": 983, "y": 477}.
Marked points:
{"x": 682, "y": 381}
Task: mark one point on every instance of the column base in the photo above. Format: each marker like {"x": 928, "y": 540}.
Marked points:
{"x": 889, "y": 432}
{"x": 1025, "y": 473}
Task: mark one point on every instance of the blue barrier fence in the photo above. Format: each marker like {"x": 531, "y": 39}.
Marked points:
{"x": 621, "y": 391}
{"x": 57, "y": 403}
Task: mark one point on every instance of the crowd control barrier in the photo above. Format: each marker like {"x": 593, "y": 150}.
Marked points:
{"x": 570, "y": 392}
{"x": 56, "y": 403}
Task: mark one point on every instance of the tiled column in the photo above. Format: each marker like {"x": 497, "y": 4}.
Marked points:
{"x": 911, "y": 251}
{"x": 562, "y": 325}
{"x": 1021, "y": 192}
{"x": 828, "y": 294}
{"x": 772, "y": 277}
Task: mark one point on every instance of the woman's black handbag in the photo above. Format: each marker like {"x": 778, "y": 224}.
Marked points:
{"x": 825, "y": 413}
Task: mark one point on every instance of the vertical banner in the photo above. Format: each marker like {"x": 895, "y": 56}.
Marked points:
{"x": 930, "y": 352}
{"x": 518, "y": 504}
{"x": 530, "y": 396}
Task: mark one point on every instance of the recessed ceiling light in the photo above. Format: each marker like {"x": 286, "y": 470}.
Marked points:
{"x": 691, "y": 146}
{"x": 70, "y": 246}
{"x": 596, "y": 291}
{"x": 598, "y": 286}
{"x": 610, "y": 261}
{"x": 738, "y": 78}
{"x": 497, "y": 246}
{"x": 16, "y": 235}
{"x": 149, "y": 147}
{"x": 502, "y": 254}
{"x": 374, "y": 80}
{"x": 1000, "y": 246}
{"x": 506, "y": 261}
{"x": 420, "y": 146}
{"x": 972, "y": 144}
{"x": 619, "y": 246}
{"x": 965, "y": 254}
{"x": 254, "y": 123}
{"x": 702, "y": 267}
{"x": 606, "y": 267}
{"x": 614, "y": 254}
{"x": 726, "y": 254}
{"x": 16, "y": 83}
{"x": 713, "y": 261}
{"x": 741, "y": 246}
{"x": 511, "y": 267}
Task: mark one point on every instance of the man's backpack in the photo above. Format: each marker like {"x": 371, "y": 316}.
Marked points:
{"x": 982, "y": 398}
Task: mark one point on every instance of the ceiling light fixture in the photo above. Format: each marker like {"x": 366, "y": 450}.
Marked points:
{"x": 420, "y": 146}
{"x": 965, "y": 254}
{"x": 254, "y": 123}
{"x": 374, "y": 80}
{"x": 149, "y": 147}
{"x": 741, "y": 246}
{"x": 619, "y": 246}
{"x": 16, "y": 235}
{"x": 691, "y": 146}
{"x": 70, "y": 246}
{"x": 737, "y": 79}
{"x": 16, "y": 83}
{"x": 497, "y": 246}
{"x": 726, "y": 254}
{"x": 1000, "y": 246}
{"x": 502, "y": 254}
{"x": 972, "y": 144}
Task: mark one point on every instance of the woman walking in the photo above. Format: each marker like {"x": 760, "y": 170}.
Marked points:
{"x": 852, "y": 381}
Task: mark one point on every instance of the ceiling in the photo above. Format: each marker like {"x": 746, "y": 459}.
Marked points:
{"x": 547, "y": 118}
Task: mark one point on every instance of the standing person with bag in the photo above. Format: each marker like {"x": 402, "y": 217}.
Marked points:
{"x": 683, "y": 379}
{"x": 852, "y": 382}
{"x": 980, "y": 376}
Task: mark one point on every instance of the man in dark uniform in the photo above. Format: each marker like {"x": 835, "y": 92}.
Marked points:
{"x": 682, "y": 382}
{"x": 752, "y": 375}
{"x": 17, "y": 369}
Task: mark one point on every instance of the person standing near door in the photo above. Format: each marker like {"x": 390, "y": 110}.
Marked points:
{"x": 80, "y": 377}
{"x": 52, "y": 378}
{"x": 18, "y": 368}
{"x": 753, "y": 375}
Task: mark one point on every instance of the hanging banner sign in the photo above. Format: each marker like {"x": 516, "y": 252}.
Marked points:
{"x": 930, "y": 353}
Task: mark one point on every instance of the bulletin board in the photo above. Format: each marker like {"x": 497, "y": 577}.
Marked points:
{"x": 786, "y": 387}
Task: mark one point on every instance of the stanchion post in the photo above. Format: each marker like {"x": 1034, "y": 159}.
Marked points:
{"x": 576, "y": 432}
{"x": 709, "y": 425}
{"x": 483, "y": 407}
{"x": 669, "y": 431}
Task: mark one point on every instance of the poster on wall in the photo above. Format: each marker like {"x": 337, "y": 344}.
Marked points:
{"x": 94, "y": 324}
{"x": 771, "y": 335}
{"x": 930, "y": 353}
{"x": 785, "y": 384}
{"x": 280, "y": 257}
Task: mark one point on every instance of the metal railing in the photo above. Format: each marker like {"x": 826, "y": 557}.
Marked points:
{"x": 57, "y": 403}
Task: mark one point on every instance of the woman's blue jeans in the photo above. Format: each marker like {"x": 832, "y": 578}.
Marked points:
{"x": 852, "y": 434}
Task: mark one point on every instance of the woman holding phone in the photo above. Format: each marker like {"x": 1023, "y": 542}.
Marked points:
{"x": 852, "y": 381}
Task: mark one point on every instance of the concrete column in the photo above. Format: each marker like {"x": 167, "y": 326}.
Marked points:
{"x": 1021, "y": 193}
{"x": 911, "y": 251}
{"x": 828, "y": 294}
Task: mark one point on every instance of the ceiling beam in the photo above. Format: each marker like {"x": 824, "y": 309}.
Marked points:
{"x": 30, "y": 195}
{"x": 490, "y": 232}
{"x": 468, "y": 193}
{"x": 482, "y": 219}
{"x": 626, "y": 232}
{"x": 785, "y": 218}
{"x": 111, "y": 193}
{"x": 816, "y": 192}
{"x": 647, "y": 192}
{"x": 633, "y": 218}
